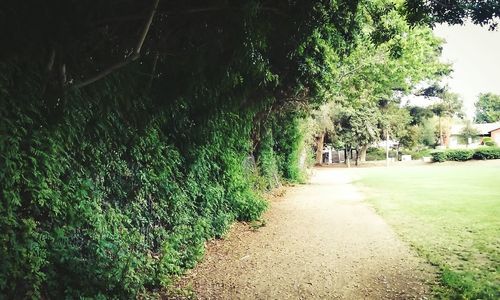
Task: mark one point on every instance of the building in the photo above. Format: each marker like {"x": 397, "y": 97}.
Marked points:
{"x": 484, "y": 130}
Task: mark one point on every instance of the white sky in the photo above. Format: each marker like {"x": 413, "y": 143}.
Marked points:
{"x": 475, "y": 54}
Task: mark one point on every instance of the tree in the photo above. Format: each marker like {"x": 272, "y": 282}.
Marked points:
{"x": 428, "y": 135}
{"x": 375, "y": 76}
{"x": 468, "y": 133}
{"x": 397, "y": 121}
{"x": 419, "y": 114}
{"x": 454, "y": 12}
{"x": 449, "y": 105}
{"x": 357, "y": 127}
{"x": 323, "y": 123}
{"x": 488, "y": 108}
{"x": 127, "y": 124}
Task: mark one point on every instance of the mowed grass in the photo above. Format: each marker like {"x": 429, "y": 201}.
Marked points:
{"x": 451, "y": 214}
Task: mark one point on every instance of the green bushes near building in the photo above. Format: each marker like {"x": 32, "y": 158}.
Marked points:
{"x": 466, "y": 154}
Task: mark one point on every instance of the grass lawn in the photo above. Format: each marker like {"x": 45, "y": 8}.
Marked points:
{"x": 451, "y": 214}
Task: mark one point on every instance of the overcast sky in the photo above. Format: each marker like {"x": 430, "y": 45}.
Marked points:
{"x": 475, "y": 54}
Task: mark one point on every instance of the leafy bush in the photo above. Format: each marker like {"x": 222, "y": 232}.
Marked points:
{"x": 267, "y": 162}
{"x": 488, "y": 141}
{"x": 289, "y": 145}
{"x": 466, "y": 154}
{"x": 459, "y": 154}
{"x": 110, "y": 197}
{"x": 487, "y": 153}
{"x": 375, "y": 153}
{"x": 439, "y": 156}
{"x": 454, "y": 155}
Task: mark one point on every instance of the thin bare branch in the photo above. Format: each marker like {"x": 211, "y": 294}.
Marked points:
{"x": 146, "y": 27}
{"x": 134, "y": 56}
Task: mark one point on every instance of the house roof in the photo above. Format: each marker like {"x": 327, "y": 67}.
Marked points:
{"x": 483, "y": 129}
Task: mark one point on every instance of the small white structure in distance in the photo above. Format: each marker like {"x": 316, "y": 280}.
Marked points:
{"x": 405, "y": 157}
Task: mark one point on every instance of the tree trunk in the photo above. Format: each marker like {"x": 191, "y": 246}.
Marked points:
{"x": 348, "y": 157}
{"x": 357, "y": 156}
{"x": 440, "y": 132}
{"x": 320, "y": 141}
{"x": 387, "y": 147}
{"x": 362, "y": 156}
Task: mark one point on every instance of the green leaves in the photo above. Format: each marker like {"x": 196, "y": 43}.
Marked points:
{"x": 488, "y": 108}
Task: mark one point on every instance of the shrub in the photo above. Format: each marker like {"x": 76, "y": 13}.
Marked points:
{"x": 288, "y": 146}
{"x": 487, "y": 153}
{"x": 488, "y": 141}
{"x": 375, "y": 153}
{"x": 439, "y": 156}
{"x": 111, "y": 197}
{"x": 466, "y": 154}
{"x": 459, "y": 154}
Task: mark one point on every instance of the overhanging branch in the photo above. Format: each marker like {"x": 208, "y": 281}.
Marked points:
{"x": 134, "y": 56}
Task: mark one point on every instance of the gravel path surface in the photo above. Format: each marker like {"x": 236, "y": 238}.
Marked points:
{"x": 320, "y": 241}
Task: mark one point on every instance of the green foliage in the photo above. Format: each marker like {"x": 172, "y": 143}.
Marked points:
{"x": 450, "y": 104}
{"x": 289, "y": 146}
{"x": 487, "y": 153}
{"x": 459, "y": 154}
{"x": 417, "y": 154}
{"x": 488, "y": 141}
{"x": 391, "y": 56}
{"x": 488, "y": 108}
{"x": 481, "y": 13}
{"x": 111, "y": 186}
{"x": 419, "y": 114}
{"x": 466, "y": 154}
{"x": 268, "y": 160}
{"x": 439, "y": 156}
{"x": 468, "y": 133}
{"x": 110, "y": 200}
{"x": 429, "y": 134}
{"x": 453, "y": 155}
{"x": 357, "y": 126}
{"x": 378, "y": 154}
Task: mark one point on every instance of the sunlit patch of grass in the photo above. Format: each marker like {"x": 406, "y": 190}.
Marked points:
{"x": 451, "y": 215}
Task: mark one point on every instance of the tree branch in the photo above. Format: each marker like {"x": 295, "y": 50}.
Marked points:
{"x": 135, "y": 55}
{"x": 146, "y": 27}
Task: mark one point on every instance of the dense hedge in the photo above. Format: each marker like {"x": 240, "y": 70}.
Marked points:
{"x": 110, "y": 197}
{"x": 487, "y": 153}
{"x": 466, "y": 154}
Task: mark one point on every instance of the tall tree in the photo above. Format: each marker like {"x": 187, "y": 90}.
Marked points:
{"x": 449, "y": 105}
{"x": 488, "y": 108}
{"x": 375, "y": 76}
{"x": 322, "y": 123}
{"x": 357, "y": 127}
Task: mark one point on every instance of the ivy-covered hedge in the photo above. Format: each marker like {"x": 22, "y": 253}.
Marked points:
{"x": 112, "y": 195}
{"x": 466, "y": 154}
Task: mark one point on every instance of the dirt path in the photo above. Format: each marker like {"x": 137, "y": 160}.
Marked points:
{"x": 320, "y": 242}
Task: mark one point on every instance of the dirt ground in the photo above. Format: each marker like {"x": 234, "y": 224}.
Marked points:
{"x": 320, "y": 241}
